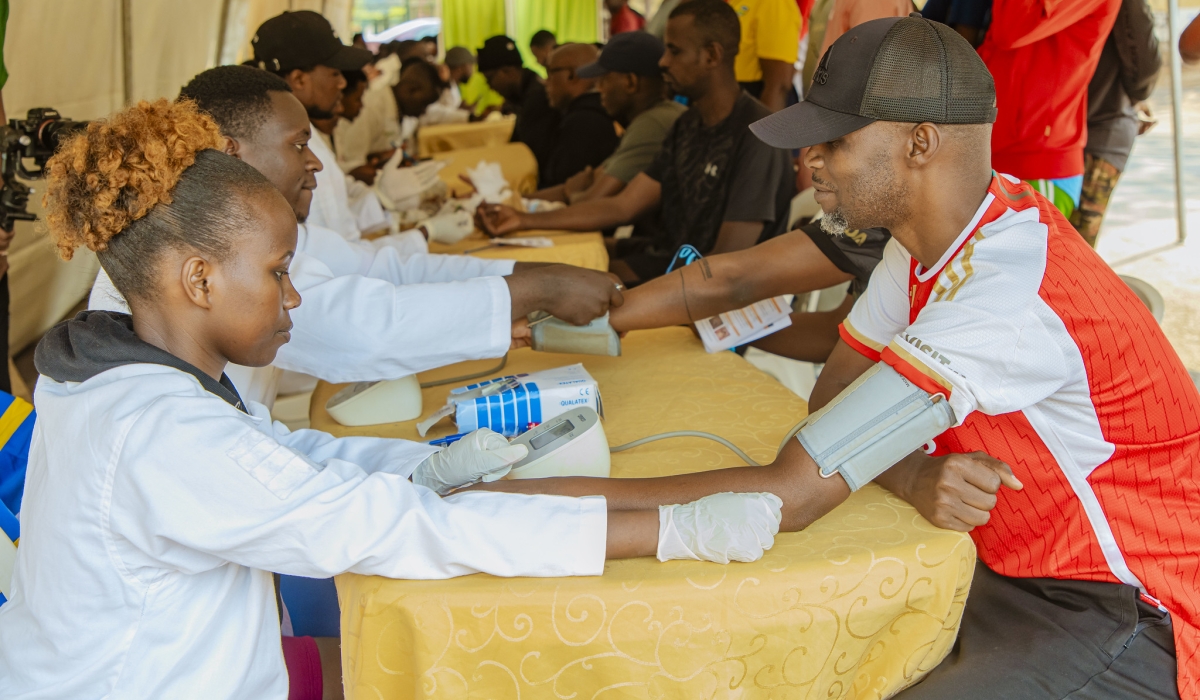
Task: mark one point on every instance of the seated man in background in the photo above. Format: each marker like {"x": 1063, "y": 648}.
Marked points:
{"x": 541, "y": 45}
{"x": 716, "y": 186}
{"x": 372, "y": 137}
{"x": 370, "y": 313}
{"x": 632, "y": 92}
{"x": 586, "y": 135}
{"x": 525, "y": 96}
{"x": 302, "y": 48}
{"x": 461, "y": 65}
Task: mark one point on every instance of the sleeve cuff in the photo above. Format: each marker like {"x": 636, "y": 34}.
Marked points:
{"x": 861, "y": 343}
{"x": 501, "y": 335}
{"x": 915, "y": 371}
{"x": 592, "y": 537}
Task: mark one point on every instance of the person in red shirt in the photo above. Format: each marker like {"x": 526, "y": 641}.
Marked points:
{"x": 1042, "y": 54}
{"x": 1035, "y": 367}
{"x": 624, "y": 18}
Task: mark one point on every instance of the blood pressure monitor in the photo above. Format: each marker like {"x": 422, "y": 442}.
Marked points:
{"x": 371, "y": 403}
{"x": 571, "y": 444}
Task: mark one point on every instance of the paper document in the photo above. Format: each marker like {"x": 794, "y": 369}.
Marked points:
{"x": 734, "y": 328}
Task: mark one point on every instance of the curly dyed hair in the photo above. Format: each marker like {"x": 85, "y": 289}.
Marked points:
{"x": 145, "y": 179}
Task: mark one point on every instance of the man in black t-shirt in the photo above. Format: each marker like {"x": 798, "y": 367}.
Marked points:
{"x": 537, "y": 122}
{"x": 714, "y": 184}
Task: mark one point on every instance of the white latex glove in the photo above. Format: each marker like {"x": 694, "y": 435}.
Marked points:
{"x": 482, "y": 454}
{"x": 489, "y": 182}
{"x": 449, "y": 228}
{"x": 722, "y": 527}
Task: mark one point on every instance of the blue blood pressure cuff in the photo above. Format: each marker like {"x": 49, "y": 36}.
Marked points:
{"x": 874, "y": 423}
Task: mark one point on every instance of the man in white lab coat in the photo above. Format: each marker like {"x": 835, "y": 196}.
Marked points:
{"x": 302, "y": 48}
{"x": 370, "y": 313}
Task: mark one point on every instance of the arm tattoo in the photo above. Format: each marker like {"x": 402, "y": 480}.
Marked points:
{"x": 704, "y": 269}
{"x": 683, "y": 289}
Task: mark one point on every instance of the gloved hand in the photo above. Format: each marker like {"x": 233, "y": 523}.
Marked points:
{"x": 722, "y": 527}
{"x": 449, "y": 228}
{"x": 482, "y": 454}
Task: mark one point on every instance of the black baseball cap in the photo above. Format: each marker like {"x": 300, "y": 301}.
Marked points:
{"x": 497, "y": 52}
{"x": 303, "y": 39}
{"x": 627, "y": 52}
{"x": 897, "y": 69}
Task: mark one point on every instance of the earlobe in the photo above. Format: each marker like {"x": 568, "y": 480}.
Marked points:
{"x": 295, "y": 79}
{"x": 197, "y": 273}
{"x": 231, "y": 147}
{"x": 923, "y": 143}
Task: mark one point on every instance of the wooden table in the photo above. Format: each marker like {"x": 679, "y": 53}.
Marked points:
{"x": 451, "y": 137}
{"x": 860, "y": 604}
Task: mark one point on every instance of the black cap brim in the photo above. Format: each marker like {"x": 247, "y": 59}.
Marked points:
{"x": 349, "y": 58}
{"x": 591, "y": 70}
{"x": 806, "y": 124}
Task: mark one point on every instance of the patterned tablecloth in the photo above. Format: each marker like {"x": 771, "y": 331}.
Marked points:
{"x": 858, "y": 605}
{"x": 580, "y": 249}
{"x": 451, "y": 137}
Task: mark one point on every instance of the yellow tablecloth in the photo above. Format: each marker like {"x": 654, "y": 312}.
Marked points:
{"x": 579, "y": 249}
{"x": 515, "y": 159}
{"x": 858, "y": 605}
{"x": 451, "y": 137}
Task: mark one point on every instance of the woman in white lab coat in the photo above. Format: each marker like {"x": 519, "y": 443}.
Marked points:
{"x": 157, "y": 503}
{"x": 370, "y": 313}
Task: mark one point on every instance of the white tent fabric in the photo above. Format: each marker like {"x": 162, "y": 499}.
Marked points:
{"x": 71, "y": 55}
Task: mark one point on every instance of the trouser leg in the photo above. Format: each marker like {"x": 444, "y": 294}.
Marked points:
{"x": 1044, "y": 638}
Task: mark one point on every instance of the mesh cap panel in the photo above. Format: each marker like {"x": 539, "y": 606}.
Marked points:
{"x": 926, "y": 72}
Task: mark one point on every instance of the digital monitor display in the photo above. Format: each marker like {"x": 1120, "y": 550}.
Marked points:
{"x": 540, "y": 441}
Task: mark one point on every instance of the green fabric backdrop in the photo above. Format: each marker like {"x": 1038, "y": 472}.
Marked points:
{"x": 469, "y": 22}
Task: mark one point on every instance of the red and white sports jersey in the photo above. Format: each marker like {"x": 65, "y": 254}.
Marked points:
{"x": 1053, "y": 365}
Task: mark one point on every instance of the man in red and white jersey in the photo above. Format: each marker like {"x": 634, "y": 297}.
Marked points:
{"x": 987, "y": 299}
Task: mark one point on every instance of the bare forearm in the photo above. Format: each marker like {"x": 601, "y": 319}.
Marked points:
{"x": 788, "y": 264}
{"x": 777, "y": 81}
{"x": 527, "y": 293}
{"x": 556, "y": 193}
{"x": 793, "y": 477}
{"x": 810, "y": 338}
{"x": 602, "y": 186}
{"x": 632, "y": 533}
{"x": 899, "y": 478}
{"x": 586, "y": 216}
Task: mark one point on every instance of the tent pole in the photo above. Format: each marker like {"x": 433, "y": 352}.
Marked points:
{"x": 510, "y": 19}
{"x": 127, "y": 50}
{"x": 1173, "y": 25}
{"x": 221, "y": 32}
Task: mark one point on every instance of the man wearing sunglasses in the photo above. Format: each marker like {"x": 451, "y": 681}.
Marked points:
{"x": 586, "y": 135}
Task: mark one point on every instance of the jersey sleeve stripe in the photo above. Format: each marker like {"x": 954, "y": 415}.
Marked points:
{"x": 865, "y": 346}
{"x": 914, "y": 370}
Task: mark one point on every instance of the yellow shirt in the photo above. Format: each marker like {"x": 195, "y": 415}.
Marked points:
{"x": 476, "y": 91}
{"x": 771, "y": 30}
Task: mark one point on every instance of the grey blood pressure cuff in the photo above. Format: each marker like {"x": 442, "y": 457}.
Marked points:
{"x": 876, "y": 422}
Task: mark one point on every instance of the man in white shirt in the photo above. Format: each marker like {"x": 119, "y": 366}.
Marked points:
{"x": 302, "y": 48}
{"x": 370, "y": 313}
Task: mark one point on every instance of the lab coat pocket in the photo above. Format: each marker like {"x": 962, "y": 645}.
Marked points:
{"x": 271, "y": 464}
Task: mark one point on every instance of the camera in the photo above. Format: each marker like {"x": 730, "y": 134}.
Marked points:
{"x": 35, "y": 138}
